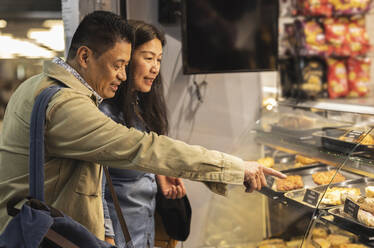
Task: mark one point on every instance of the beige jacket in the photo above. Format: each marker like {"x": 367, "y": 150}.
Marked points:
{"x": 79, "y": 138}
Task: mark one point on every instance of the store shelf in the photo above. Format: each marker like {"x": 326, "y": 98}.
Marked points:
{"x": 351, "y": 105}
{"x": 310, "y": 149}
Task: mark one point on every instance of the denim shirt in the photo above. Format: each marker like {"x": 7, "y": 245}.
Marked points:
{"x": 136, "y": 193}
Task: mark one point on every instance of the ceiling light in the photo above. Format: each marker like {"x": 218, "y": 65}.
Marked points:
{"x": 52, "y": 38}
{"x": 3, "y": 23}
{"x": 12, "y": 47}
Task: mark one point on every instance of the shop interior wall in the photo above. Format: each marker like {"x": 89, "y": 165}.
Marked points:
{"x": 230, "y": 108}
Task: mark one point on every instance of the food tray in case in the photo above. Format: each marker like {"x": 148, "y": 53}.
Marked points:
{"x": 347, "y": 222}
{"x": 329, "y": 139}
{"x": 296, "y": 196}
{"x": 306, "y": 174}
{"x": 304, "y": 132}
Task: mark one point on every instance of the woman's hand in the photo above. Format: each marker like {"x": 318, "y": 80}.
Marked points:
{"x": 171, "y": 187}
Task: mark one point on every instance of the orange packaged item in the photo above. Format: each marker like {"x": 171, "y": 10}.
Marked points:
{"x": 337, "y": 36}
{"x": 358, "y": 37}
{"x": 358, "y": 76}
{"x": 337, "y": 83}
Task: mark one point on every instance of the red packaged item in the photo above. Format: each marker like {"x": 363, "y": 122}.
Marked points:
{"x": 337, "y": 83}
{"x": 316, "y": 8}
{"x": 337, "y": 36}
{"x": 358, "y": 76}
{"x": 315, "y": 42}
{"x": 358, "y": 38}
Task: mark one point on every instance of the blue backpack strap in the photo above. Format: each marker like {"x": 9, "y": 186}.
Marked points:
{"x": 36, "y": 156}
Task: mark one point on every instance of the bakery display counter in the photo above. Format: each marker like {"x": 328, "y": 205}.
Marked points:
{"x": 331, "y": 189}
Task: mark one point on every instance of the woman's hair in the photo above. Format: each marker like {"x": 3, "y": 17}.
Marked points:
{"x": 99, "y": 31}
{"x": 152, "y": 104}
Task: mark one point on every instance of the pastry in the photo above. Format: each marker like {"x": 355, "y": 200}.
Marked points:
{"x": 304, "y": 160}
{"x": 336, "y": 240}
{"x": 325, "y": 177}
{"x": 296, "y": 122}
{"x": 337, "y": 195}
{"x": 353, "y": 246}
{"x": 369, "y": 191}
{"x": 367, "y": 139}
{"x": 272, "y": 243}
{"x": 290, "y": 183}
{"x": 365, "y": 218}
{"x": 266, "y": 161}
{"x": 323, "y": 243}
{"x": 319, "y": 232}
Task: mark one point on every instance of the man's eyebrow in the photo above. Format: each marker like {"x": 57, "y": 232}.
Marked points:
{"x": 121, "y": 61}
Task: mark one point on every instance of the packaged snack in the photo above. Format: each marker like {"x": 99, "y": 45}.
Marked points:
{"x": 314, "y": 39}
{"x": 358, "y": 38}
{"x": 337, "y": 83}
{"x": 316, "y": 8}
{"x": 358, "y": 76}
{"x": 313, "y": 77}
{"x": 349, "y": 7}
{"x": 337, "y": 36}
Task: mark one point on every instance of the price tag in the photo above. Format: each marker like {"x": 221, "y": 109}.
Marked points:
{"x": 270, "y": 181}
{"x": 311, "y": 197}
{"x": 353, "y": 135}
{"x": 351, "y": 208}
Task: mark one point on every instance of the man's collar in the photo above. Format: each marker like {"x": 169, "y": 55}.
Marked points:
{"x": 73, "y": 72}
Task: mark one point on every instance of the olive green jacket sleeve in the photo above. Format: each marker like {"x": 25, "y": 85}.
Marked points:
{"x": 77, "y": 129}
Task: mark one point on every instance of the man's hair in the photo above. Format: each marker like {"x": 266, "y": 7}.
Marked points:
{"x": 99, "y": 31}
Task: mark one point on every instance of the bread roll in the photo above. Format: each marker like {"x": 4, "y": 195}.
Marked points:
{"x": 353, "y": 246}
{"x": 323, "y": 243}
{"x": 266, "y": 161}
{"x": 319, "y": 232}
{"x": 369, "y": 191}
{"x": 336, "y": 240}
{"x": 304, "y": 160}
{"x": 365, "y": 218}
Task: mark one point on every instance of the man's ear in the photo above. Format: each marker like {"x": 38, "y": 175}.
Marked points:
{"x": 84, "y": 54}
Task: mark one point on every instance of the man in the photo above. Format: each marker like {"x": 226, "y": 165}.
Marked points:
{"x": 78, "y": 137}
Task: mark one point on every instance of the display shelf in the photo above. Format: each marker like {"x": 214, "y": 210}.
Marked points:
{"x": 310, "y": 149}
{"x": 365, "y": 237}
{"x": 351, "y": 105}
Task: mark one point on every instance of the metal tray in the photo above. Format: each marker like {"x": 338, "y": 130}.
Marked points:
{"x": 295, "y": 133}
{"x": 304, "y": 133}
{"x": 340, "y": 218}
{"x": 329, "y": 139}
{"x": 296, "y": 196}
{"x": 306, "y": 174}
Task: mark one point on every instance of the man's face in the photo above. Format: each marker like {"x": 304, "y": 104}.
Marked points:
{"x": 106, "y": 72}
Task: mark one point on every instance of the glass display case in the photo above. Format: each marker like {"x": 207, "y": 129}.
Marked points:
{"x": 327, "y": 152}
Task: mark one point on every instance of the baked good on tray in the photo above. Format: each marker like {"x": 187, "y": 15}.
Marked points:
{"x": 296, "y": 122}
{"x": 324, "y": 177}
{"x": 304, "y": 160}
{"x": 266, "y": 161}
{"x": 290, "y": 183}
{"x": 337, "y": 195}
{"x": 337, "y": 240}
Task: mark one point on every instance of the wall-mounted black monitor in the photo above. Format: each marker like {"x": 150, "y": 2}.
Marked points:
{"x": 220, "y": 36}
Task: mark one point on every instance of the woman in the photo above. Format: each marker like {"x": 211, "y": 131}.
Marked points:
{"x": 139, "y": 103}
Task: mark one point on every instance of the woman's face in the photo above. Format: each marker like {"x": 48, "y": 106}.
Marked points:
{"x": 145, "y": 65}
